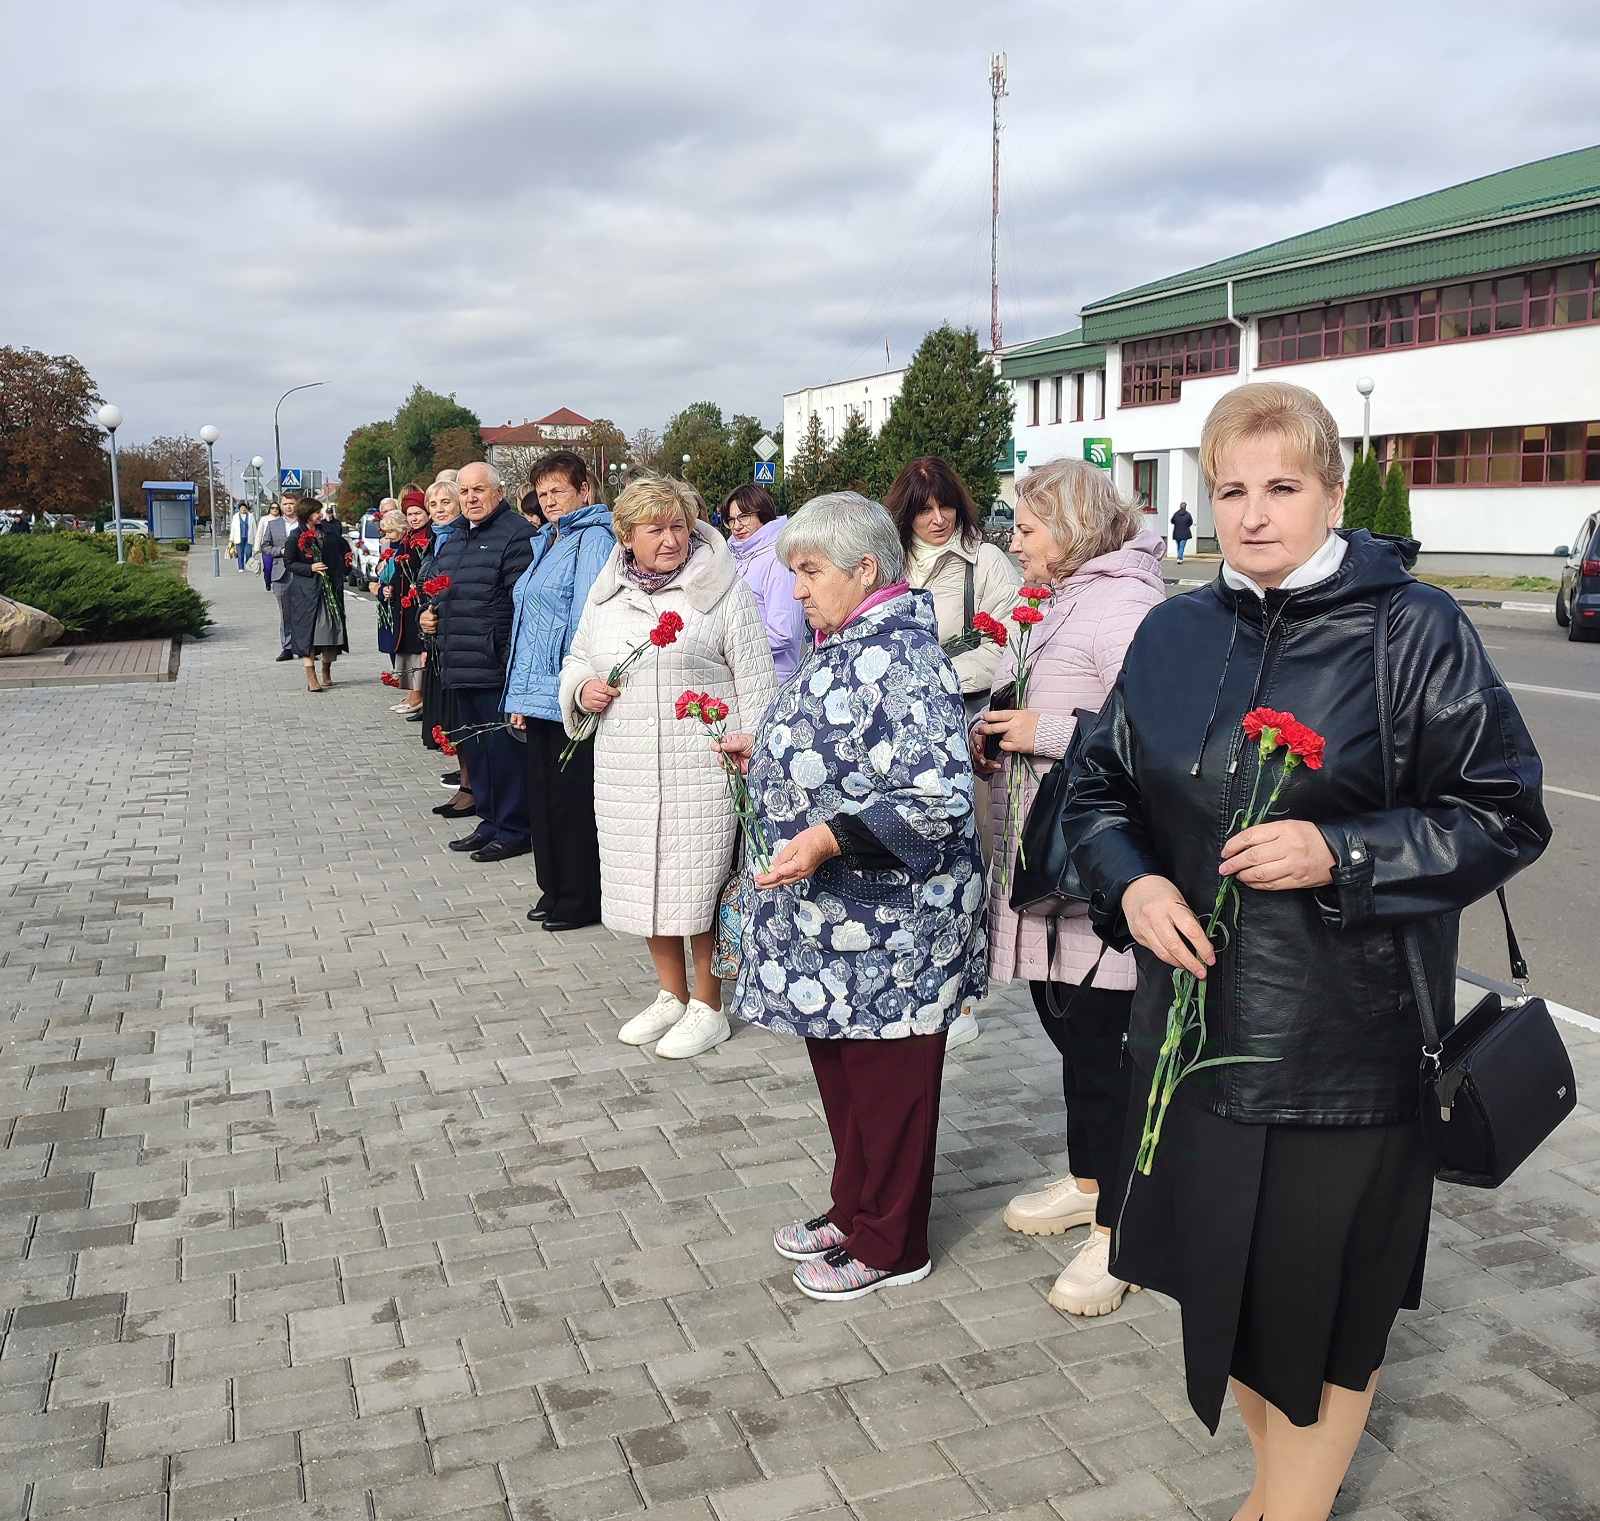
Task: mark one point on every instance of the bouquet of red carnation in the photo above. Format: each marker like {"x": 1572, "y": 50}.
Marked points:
{"x": 435, "y": 586}
{"x": 417, "y": 538}
{"x": 389, "y": 679}
{"x": 310, "y": 545}
{"x": 668, "y": 627}
{"x": 1292, "y": 743}
{"x": 1025, "y": 615}
{"x": 386, "y": 554}
{"x": 349, "y": 560}
{"x": 449, "y": 743}
{"x": 408, "y": 598}
{"x": 712, "y": 712}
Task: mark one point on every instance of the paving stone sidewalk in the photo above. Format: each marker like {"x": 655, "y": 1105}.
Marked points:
{"x": 327, "y": 1194}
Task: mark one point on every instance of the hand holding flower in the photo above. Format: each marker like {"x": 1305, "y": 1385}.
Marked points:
{"x": 595, "y": 696}
{"x": 429, "y": 622}
{"x": 1166, "y": 926}
{"x": 1279, "y": 857}
{"x": 1018, "y": 728}
{"x": 735, "y": 748}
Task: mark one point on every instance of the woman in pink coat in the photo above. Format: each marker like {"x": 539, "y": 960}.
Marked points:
{"x": 1078, "y": 535}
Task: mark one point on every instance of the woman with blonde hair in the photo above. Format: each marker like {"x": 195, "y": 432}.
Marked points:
{"x": 665, "y": 823}
{"x": 1078, "y": 535}
{"x": 442, "y": 502}
{"x": 1286, "y": 1203}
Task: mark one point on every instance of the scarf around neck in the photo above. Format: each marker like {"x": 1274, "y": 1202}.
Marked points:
{"x": 652, "y": 581}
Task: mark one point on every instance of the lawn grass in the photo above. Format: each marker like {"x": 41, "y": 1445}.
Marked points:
{"x": 1494, "y": 583}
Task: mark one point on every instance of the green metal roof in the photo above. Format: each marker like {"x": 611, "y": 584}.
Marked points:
{"x": 1439, "y": 236}
{"x": 1060, "y": 355}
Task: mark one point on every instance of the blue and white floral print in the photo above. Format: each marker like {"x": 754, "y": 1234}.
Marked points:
{"x": 873, "y": 725}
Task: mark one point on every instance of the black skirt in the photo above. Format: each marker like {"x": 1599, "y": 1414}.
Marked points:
{"x": 1291, "y": 1249}
{"x": 437, "y": 707}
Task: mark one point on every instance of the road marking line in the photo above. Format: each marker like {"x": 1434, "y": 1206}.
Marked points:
{"x": 1573, "y": 1017}
{"x": 1588, "y": 797}
{"x": 1526, "y": 607}
{"x": 1505, "y": 990}
{"x": 1523, "y": 686}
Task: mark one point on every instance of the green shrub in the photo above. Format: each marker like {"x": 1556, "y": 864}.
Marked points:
{"x": 1394, "y": 510}
{"x": 94, "y": 597}
{"x": 178, "y": 546}
{"x": 1363, "y": 492}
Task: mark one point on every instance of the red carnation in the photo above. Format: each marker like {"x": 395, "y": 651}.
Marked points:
{"x": 1258, "y": 720}
{"x": 989, "y": 629}
{"x": 666, "y": 631}
{"x": 386, "y": 555}
{"x": 308, "y": 543}
{"x": 1025, "y": 614}
{"x": 713, "y": 709}
{"x": 442, "y": 740}
{"x": 1035, "y": 593}
{"x": 435, "y": 585}
{"x": 688, "y": 705}
{"x": 417, "y": 538}
{"x": 671, "y": 621}
{"x": 389, "y": 679}
{"x": 1305, "y": 744}
{"x": 410, "y": 597}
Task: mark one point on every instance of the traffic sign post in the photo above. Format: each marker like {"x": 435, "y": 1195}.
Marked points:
{"x": 291, "y": 480}
{"x": 766, "y": 473}
{"x": 765, "y": 447}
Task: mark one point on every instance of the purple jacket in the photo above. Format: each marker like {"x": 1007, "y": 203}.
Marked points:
{"x": 1074, "y": 657}
{"x": 771, "y": 583}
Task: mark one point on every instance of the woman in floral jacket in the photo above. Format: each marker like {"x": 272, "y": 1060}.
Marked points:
{"x": 867, "y": 934}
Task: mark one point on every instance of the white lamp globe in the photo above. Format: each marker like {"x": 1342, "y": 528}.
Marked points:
{"x": 209, "y": 435}
{"x": 1365, "y": 385}
{"x": 256, "y": 462}
{"x": 109, "y": 417}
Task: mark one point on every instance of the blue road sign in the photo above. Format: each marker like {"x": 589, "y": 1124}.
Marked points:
{"x": 289, "y": 480}
{"x": 766, "y": 472}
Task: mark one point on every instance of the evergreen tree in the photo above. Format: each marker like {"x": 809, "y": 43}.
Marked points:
{"x": 805, "y": 476}
{"x": 1394, "y": 508}
{"x": 852, "y": 463}
{"x": 952, "y": 403}
{"x": 1363, "y": 492}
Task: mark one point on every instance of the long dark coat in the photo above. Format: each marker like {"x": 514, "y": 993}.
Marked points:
{"x": 310, "y": 595}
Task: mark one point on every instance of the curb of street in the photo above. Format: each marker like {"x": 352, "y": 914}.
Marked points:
{"x": 1465, "y": 597}
{"x": 1507, "y": 990}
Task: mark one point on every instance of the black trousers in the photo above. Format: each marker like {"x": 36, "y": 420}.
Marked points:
{"x": 566, "y": 854}
{"x": 1094, "y": 1078}
{"x": 499, "y": 774}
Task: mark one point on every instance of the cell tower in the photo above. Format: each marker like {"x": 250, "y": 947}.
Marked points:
{"x": 997, "y": 89}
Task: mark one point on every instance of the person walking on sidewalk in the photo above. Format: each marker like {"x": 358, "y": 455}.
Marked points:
{"x": 241, "y": 529}
{"x": 866, "y": 935}
{"x": 1182, "y": 529}
{"x": 473, "y": 627}
{"x": 315, "y": 612}
{"x": 1076, "y": 534}
{"x": 273, "y": 510}
{"x": 569, "y": 551}
{"x": 274, "y": 546}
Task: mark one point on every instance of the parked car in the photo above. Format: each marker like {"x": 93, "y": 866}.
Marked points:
{"x": 15, "y": 522}
{"x": 367, "y": 542}
{"x": 1578, "y": 596}
{"x": 129, "y": 525}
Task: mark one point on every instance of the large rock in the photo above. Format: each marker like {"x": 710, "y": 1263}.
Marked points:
{"x": 24, "y": 629}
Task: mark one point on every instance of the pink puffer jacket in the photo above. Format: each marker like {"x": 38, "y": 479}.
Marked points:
{"x": 1074, "y": 657}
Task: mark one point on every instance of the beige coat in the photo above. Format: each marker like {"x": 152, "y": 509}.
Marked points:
{"x": 995, "y": 579}
{"x": 661, "y": 806}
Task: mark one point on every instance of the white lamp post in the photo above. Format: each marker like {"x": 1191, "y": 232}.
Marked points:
{"x": 209, "y": 437}
{"x": 258, "y": 465}
{"x": 110, "y": 418}
{"x": 1366, "y": 388}
{"x": 686, "y": 467}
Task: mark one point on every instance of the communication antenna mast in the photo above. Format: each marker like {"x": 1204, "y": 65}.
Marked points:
{"x": 997, "y": 89}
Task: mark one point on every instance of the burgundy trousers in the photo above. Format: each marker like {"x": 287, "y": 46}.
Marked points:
{"x": 881, "y": 1098}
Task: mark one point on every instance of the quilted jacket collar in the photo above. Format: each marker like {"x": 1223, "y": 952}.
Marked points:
{"x": 705, "y": 580}
{"x": 912, "y": 610}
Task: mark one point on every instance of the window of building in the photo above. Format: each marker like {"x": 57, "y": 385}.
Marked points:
{"x": 869, "y": 411}
{"x": 1561, "y": 296}
{"x": 1077, "y": 397}
{"x": 1099, "y": 395}
{"x": 1154, "y": 369}
{"x": 1033, "y": 403}
{"x": 1543, "y": 454}
{"x": 1144, "y": 484}
{"x": 1055, "y": 398}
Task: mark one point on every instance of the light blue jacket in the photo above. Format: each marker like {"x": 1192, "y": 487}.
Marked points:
{"x": 548, "y": 602}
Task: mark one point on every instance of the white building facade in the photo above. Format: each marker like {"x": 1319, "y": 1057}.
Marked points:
{"x": 873, "y": 396}
{"x": 1476, "y": 320}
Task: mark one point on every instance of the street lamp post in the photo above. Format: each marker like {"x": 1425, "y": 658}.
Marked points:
{"x": 209, "y": 437}
{"x": 1366, "y": 388}
{"x": 686, "y": 467}
{"x": 258, "y": 465}
{"x": 110, "y": 418}
{"x": 277, "y": 442}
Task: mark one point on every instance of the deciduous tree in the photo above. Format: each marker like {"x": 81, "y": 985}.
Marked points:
{"x": 422, "y": 417}
{"x": 51, "y": 459}
{"x": 455, "y": 447}
{"x": 952, "y": 403}
{"x": 364, "y": 472}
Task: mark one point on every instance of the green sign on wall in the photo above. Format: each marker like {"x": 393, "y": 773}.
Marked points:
{"x": 1098, "y": 452}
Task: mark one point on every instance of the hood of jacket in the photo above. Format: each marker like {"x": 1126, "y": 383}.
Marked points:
{"x": 573, "y": 522}
{"x": 1138, "y": 560}
{"x": 1372, "y": 562}
{"x": 705, "y": 580}
{"x": 912, "y": 610}
{"x": 763, "y": 539}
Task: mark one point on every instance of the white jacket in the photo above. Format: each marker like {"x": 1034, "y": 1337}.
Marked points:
{"x": 995, "y": 582}
{"x": 661, "y": 806}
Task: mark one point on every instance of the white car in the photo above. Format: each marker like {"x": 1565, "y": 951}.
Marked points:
{"x": 367, "y": 542}
{"x": 129, "y": 525}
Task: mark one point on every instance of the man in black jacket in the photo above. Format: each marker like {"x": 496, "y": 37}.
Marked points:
{"x": 473, "y": 624}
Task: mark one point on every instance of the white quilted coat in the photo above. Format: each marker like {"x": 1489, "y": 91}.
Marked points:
{"x": 661, "y": 805}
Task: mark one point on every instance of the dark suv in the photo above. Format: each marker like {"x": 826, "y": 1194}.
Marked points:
{"x": 1578, "y": 598}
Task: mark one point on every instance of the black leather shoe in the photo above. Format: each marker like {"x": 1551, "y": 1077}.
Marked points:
{"x": 498, "y": 850}
{"x": 414, "y": 718}
{"x": 536, "y": 915}
{"x": 285, "y": 654}
{"x": 474, "y": 841}
{"x": 450, "y": 811}
{"x": 556, "y": 926}
{"x": 450, "y": 779}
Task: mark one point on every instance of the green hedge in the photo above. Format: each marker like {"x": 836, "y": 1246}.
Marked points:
{"x": 97, "y": 599}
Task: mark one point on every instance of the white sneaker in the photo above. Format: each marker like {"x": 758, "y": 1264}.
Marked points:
{"x": 1051, "y": 1211}
{"x": 1086, "y": 1285}
{"x": 696, "y": 1033}
{"x": 963, "y": 1029}
{"x": 654, "y": 1022}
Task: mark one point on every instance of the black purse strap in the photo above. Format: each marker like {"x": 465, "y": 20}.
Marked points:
{"x": 1406, "y": 935}
{"x": 969, "y": 596}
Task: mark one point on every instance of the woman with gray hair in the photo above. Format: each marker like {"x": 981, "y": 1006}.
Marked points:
{"x": 1078, "y": 535}
{"x": 866, "y": 935}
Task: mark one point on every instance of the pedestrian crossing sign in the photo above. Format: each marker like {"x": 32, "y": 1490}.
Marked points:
{"x": 766, "y": 473}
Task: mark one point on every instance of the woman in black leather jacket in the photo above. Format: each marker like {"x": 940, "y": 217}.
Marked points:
{"x": 1287, "y": 1208}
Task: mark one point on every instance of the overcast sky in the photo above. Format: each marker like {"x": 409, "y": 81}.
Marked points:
{"x": 626, "y": 207}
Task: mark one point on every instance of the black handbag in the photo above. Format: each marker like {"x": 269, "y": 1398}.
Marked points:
{"x": 1042, "y": 878}
{"x": 1501, "y": 1081}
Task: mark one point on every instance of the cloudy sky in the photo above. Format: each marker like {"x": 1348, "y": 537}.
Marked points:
{"x": 624, "y": 207}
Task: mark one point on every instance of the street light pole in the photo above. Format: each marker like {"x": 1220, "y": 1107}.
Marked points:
{"x": 686, "y": 467}
{"x": 209, "y": 437}
{"x": 1365, "y": 387}
{"x": 277, "y": 442}
{"x": 258, "y": 465}
{"x": 110, "y": 418}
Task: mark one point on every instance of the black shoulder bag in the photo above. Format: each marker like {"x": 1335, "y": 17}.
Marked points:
{"x": 1042, "y": 879}
{"x": 1501, "y": 1081}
